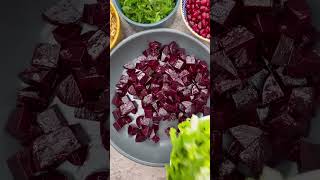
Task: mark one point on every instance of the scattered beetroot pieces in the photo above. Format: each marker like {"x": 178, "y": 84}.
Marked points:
{"x": 166, "y": 83}
{"x": 265, "y": 77}
{"x": 74, "y": 69}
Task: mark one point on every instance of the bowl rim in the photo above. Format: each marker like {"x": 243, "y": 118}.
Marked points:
{"x": 174, "y": 10}
{"x": 122, "y": 43}
{"x": 112, "y": 44}
{"x": 188, "y": 26}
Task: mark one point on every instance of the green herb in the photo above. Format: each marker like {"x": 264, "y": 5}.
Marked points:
{"x": 147, "y": 11}
{"x": 190, "y": 155}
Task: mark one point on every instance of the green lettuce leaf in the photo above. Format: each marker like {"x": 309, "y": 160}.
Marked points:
{"x": 147, "y": 11}
{"x": 190, "y": 155}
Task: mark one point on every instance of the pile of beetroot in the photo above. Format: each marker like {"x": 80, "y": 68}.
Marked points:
{"x": 170, "y": 84}
{"x": 198, "y": 16}
{"x": 75, "y": 70}
{"x": 265, "y": 84}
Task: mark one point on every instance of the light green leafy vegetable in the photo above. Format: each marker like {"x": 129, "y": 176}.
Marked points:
{"x": 147, "y": 11}
{"x": 190, "y": 155}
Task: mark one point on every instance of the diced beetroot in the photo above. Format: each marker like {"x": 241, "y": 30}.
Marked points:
{"x": 118, "y": 125}
{"x": 190, "y": 60}
{"x": 133, "y": 130}
{"x": 143, "y": 93}
{"x": 129, "y": 66}
{"x": 143, "y": 78}
{"x": 63, "y": 12}
{"x": 85, "y": 113}
{"x": 170, "y": 107}
{"x": 32, "y": 98}
{"x": 308, "y": 157}
{"x": 223, "y": 61}
{"x": 163, "y": 113}
{"x": 43, "y": 78}
{"x": 139, "y": 121}
{"x": 21, "y": 164}
{"x": 116, "y": 100}
{"x": 132, "y": 90}
{"x": 101, "y": 175}
{"x": 206, "y": 110}
{"x": 245, "y": 98}
{"x": 140, "y": 137}
{"x": 69, "y": 93}
{"x": 285, "y": 125}
{"x": 147, "y": 100}
{"x": 167, "y": 131}
{"x": 67, "y": 32}
{"x": 97, "y": 44}
{"x": 146, "y": 131}
{"x": 179, "y": 64}
{"x": 245, "y": 134}
{"x": 51, "y": 119}
{"x": 65, "y": 142}
{"x": 125, "y": 99}
{"x": 127, "y": 108}
{"x": 195, "y": 90}
{"x": 79, "y": 156}
{"x": 73, "y": 56}
{"x": 271, "y": 90}
{"x": 301, "y": 101}
{"x": 148, "y": 112}
{"x": 46, "y": 55}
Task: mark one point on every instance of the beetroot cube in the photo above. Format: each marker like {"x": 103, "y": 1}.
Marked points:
{"x": 125, "y": 120}
{"x": 147, "y": 100}
{"x": 127, "y": 108}
{"x": 51, "y": 119}
{"x": 93, "y": 14}
{"x": 190, "y": 60}
{"x": 140, "y": 137}
{"x": 245, "y": 98}
{"x": 69, "y": 93}
{"x": 148, "y": 112}
{"x": 143, "y": 78}
{"x": 118, "y": 125}
{"x": 284, "y": 50}
{"x": 223, "y": 86}
{"x": 97, "y": 44}
{"x": 125, "y": 99}
{"x": 143, "y": 93}
{"x": 179, "y": 64}
{"x": 237, "y": 38}
{"x": 141, "y": 122}
{"x": 184, "y": 73}
{"x": 43, "y": 78}
{"x": 62, "y": 13}
{"x": 146, "y": 131}
{"x": 129, "y": 66}
{"x": 116, "y": 114}
{"x": 286, "y": 126}
{"x": 308, "y": 157}
{"x": 21, "y": 164}
{"x": 133, "y": 130}
{"x": 271, "y": 90}
{"x": 74, "y": 56}
{"x": 195, "y": 90}
{"x": 46, "y": 55}
{"x": 116, "y": 100}
{"x": 85, "y": 113}
{"x": 32, "y": 98}
{"x": 65, "y": 142}
{"x": 206, "y": 110}
{"x": 20, "y": 122}
{"x": 290, "y": 81}
{"x": 163, "y": 113}
{"x": 222, "y": 11}
{"x": 222, "y": 60}
{"x": 131, "y": 90}
{"x": 301, "y": 101}
{"x": 170, "y": 107}
{"x": 79, "y": 156}
{"x": 67, "y": 32}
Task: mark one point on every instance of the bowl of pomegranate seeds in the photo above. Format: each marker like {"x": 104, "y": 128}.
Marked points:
{"x": 196, "y": 16}
{"x": 159, "y": 79}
